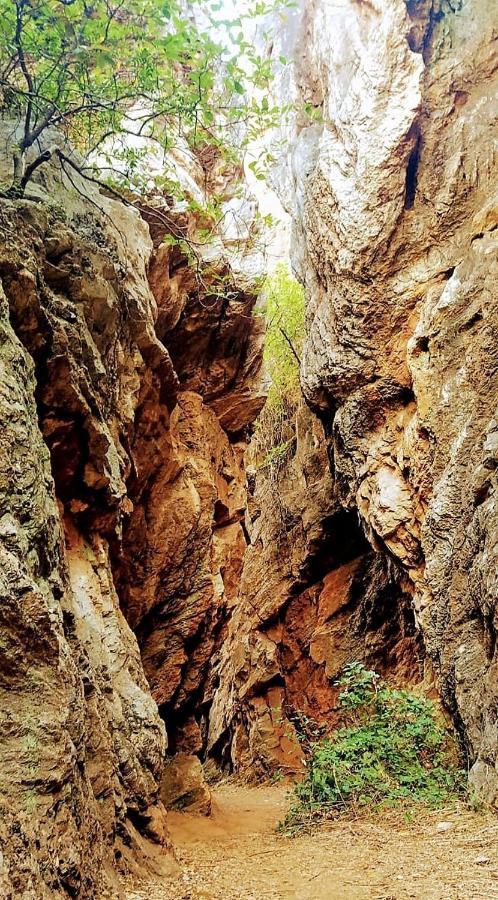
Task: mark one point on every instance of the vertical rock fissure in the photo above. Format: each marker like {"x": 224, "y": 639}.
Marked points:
{"x": 412, "y": 171}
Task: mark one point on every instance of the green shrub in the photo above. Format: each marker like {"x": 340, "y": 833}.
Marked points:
{"x": 393, "y": 749}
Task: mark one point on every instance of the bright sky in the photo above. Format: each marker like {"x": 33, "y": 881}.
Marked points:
{"x": 268, "y": 202}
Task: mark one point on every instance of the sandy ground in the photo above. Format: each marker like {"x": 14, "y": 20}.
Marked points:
{"x": 237, "y": 855}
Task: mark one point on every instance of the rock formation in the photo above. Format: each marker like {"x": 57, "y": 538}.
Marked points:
{"x": 313, "y": 596}
{"x": 130, "y": 379}
{"x": 390, "y": 179}
{"x": 83, "y": 744}
{"x": 183, "y": 543}
{"x": 121, "y": 492}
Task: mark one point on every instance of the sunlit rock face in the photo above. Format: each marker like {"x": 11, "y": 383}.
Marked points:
{"x": 121, "y": 498}
{"x": 391, "y": 183}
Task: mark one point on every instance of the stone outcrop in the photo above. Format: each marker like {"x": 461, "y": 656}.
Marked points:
{"x": 183, "y": 544}
{"x": 390, "y": 178}
{"x": 313, "y": 596}
{"x": 121, "y": 493}
{"x": 183, "y": 785}
{"x": 83, "y": 745}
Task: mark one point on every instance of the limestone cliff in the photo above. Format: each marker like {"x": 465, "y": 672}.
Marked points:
{"x": 390, "y": 178}
{"x": 121, "y": 493}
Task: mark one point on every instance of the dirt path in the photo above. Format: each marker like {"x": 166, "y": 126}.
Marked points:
{"x": 236, "y": 855}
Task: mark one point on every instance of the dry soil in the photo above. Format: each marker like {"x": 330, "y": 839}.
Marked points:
{"x": 237, "y": 855}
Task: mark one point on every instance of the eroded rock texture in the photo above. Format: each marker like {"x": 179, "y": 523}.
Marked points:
{"x": 125, "y": 410}
{"x": 184, "y": 544}
{"x": 313, "y": 596}
{"x": 393, "y": 191}
{"x": 121, "y": 493}
{"x": 82, "y": 742}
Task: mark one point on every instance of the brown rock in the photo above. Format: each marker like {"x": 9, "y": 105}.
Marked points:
{"x": 182, "y": 548}
{"x": 119, "y": 476}
{"x": 313, "y": 596}
{"x": 83, "y": 743}
{"x": 183, "y": 785}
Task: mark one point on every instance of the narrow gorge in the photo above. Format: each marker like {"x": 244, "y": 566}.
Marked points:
{"x": 176, "y": 607}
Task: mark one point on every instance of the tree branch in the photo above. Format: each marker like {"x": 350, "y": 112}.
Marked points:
{"x": 20, "y": 4}
{"x": 33, "y": 166}
{"x": 291, "y": 345}
{"x": 77, "y": 168}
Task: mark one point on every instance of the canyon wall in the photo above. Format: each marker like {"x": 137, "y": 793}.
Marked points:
{"x": 313, "y": 596}
{"x": 82, "y": 741}
{"x": 121, "y": 494}
{"x": 184, "y": 543}
{"x": 130, "y": 379}
{"x": 390, "y": 179}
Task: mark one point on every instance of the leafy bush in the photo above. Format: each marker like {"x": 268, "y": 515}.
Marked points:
{"x": 394, "y": 749}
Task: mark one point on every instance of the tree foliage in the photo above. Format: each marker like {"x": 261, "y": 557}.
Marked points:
{"x": 284, "y": 335}
{"x": 284, "y": 313}
{"x": 393, "y": 749}
{"x": 149, "y": 69}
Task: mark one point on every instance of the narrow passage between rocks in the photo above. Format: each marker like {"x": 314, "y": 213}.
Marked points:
{"x": 236, "y": 853}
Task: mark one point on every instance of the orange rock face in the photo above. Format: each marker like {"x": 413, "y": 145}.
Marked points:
{"x": 182, "y": 552}
{"x": 183, "y": 543}
{"x": 313, "y": 596}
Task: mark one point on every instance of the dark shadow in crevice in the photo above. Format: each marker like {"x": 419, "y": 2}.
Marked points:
{"x": 412, "y": 171}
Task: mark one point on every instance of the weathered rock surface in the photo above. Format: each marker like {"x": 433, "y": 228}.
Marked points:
{"x": 313, "y": 596}
{"x": 393, "y": 191}
{"x": 126, "y": 409}
{"x": 82, "y": 742}
{"x": 183, "y": 543}
{"x": 182, "y": 553}
{"x": 120, "y": 492}
{"x": 183, "y": 785}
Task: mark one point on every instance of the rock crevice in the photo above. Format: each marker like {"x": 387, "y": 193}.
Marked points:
{"x": 146, "y": 587}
